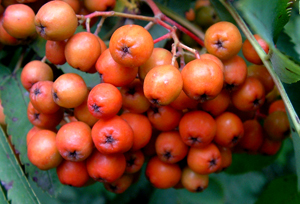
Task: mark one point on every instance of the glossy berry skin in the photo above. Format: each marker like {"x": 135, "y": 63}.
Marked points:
{"x": 277, "y": 126}
{"x": 134, "y": 161}
{"x": 133, "y": 97}
{"x": 270, "y": 147}
{"x": 131, "y": 45}
{"x": 164, "y": 118}
{"x": 43, "y": 120}
{"x": 217, "y": 105}
{"x": 142, "y": 129}
{"x": 250, "y": 53}
{"x": 226, "y": 155}
{"x": 229, "y": 129}
{"x": 55, "y": 52}
{"x": 235, "y": 72}
{"x": 260, "y": 72}
{"x": 202, "y": 79}
{"x": 197, "y": 128}
{"x": 82, "y": 51}
{"x": 42, "y": 151}
{"x": 253, "y": 136}
{"x": 18, "y": 21}
{"x": 69, "y": 90}
{"x": 41, "y": 97}
{"x": 204, "y": 160}
{"x": 56, "y": 20}
{"x": 105, "y": 167}
{"x": 35, "y": 71}
{"x": 169, "y": 147}
{"x": 104, "y": 101}
{"x": 223, "y": 39}
{"x": 250, "y": 95}
{"x": 96, "y": 5}
{"x": 183, "y": 102}
{"x": 277, "y": 105}
{"x": 120, "y": 185}
{"x": 162, "y": 175}
{"x": 74, "y": 141}
{"x": 113, "y": 72}
{"x": 113, "y": 135}
{"x": 159, "y": 56}
{"x": 163, "y": 84}
{"x": 193, "y": 181}
{"x": 72, "y": 173}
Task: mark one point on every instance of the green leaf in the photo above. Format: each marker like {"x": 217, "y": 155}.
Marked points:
{"x": 136, "y": 190}
{"x": 91, "y": 80}
{"x": 166, "y": 196}
{"x": 180, "y": 7}
{"x": 213, "y": 194}
{"x": 12, "y": 177}
{"x": 2, "y": 196}
{"x": 269, "y": 23}
{"x": 295, "y": 199}
{"x": 296, "y": 143}
{"x": 279, "y": 190}
{"x": 292, "y": 28}
{"x": 14, "y": 101}
{"x": 291, "y": 89}
{"x": 39, "y": 46}
{"x": 286, "y": 46}
{"x": 242, "y": 188}
{"x": 157, "y": 31}
{"x": 222, "y": 11}
{"x": 287, "y": 70}
{"x": 266, "y": 17}
{"x": 254, "y": 163}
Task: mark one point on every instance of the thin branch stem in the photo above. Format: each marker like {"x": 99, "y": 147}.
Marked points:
{"x": 44, "y": 59}
{"x": 265, "y": 59}
{"x": 99, "y": 26}
{"x": 87, "y": 25}
{"x": 116, "y": 14}
{"x": 19, "y": 62}
{"x": 166, "y": 36}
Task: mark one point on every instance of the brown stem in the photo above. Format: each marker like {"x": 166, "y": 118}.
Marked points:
{"x": 117, "y": 14}
{"x": 87, "y": 25}
{"x": 99, "y": 26}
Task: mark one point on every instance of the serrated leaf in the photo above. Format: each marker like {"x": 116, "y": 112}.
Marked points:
{"x": 272, "y": 194}
{"x": 269, "y": 23}
{"x": 12, "y": 177}
{"x": 266, "y": 17}
{"x": 212, "y": 194}
{"x": 286, "y": 46}
{"x": 287, "y": 70}
{"x": 14, "y": 101}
